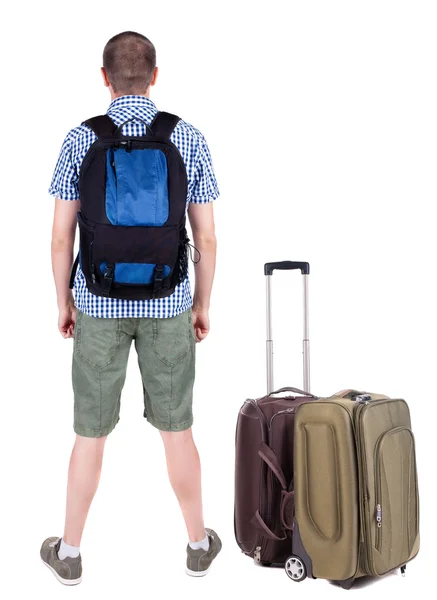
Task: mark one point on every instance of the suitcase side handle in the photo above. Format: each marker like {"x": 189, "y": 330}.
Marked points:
{"x": 287, "y": 265}
{"x": 294, "y": 390}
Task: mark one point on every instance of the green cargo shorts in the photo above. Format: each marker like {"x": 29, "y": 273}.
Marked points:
{"x": 166, "y": 357}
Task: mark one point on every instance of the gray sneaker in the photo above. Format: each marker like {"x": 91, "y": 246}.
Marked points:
{"x": 67, "y": 571}
{"x": 199, "y": 561}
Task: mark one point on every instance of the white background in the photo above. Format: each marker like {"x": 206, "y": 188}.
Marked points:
{"x": 321, "y": 120}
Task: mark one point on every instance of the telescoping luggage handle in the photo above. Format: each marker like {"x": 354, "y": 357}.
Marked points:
{"x": 304, "y": 268}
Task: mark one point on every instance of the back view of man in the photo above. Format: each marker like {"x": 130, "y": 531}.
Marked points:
{"x": 163, "y": 327}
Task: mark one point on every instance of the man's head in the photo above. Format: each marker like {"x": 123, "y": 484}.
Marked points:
{"x": 129, "y": 64}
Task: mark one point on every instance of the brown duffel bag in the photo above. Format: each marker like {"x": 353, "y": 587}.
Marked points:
{"x": 264, "y": 495}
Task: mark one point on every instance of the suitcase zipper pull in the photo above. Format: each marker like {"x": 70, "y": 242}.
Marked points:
{"x": 378, "y": 515}
{"x": 363, "y": 398}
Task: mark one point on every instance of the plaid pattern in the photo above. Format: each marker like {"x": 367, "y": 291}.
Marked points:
{"x": 202, "y": 188}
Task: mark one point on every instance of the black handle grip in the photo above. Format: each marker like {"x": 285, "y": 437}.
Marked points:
{"x": 287, "y": 265}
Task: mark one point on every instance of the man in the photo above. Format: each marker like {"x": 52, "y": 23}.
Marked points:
{"x": 164, "y": 330}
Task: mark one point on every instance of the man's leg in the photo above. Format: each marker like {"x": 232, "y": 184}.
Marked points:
{"x": 166, "y": 356}
{"x": 101, "y": 351}
{"x": 100, "y": 356}
{"x": 83, "y": 479}
{"x": 183, "y": 467}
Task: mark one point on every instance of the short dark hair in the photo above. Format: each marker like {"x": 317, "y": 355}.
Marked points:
{"x": 129, "y": 60}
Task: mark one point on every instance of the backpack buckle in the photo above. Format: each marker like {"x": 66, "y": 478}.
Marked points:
{"x": 127, "y": 145}
{"x": 108, "y": 278}
{"x": 158, "y": 277}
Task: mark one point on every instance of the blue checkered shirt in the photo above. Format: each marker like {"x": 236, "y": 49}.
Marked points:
{"x": 202, "y": 188}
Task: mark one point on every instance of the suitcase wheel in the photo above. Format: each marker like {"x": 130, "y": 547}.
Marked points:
{"x": 295, "y": 568}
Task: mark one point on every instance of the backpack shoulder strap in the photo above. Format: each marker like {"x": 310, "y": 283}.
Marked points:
{"x": 102, "y": 125}
{"x": 163, "y": 124}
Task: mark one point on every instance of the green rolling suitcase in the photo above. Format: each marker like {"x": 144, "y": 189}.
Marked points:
{"x": 355, "y": 485}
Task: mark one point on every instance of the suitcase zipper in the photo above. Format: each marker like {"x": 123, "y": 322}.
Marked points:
{"x": 378, "y": 493}
{"x": 363, "y": 495}
{"x": 271, "y": 478}
{"x": 281, "y": 412}
{"x": 270, "y": 495}
{"x": 354, "y": 416}
{"x": 378, "y": 510}
{"x": 263, "y": 424}
{"x": 366, "y": 519}
{"x": 261, "y": 542}
{"x": 378, "y": 527}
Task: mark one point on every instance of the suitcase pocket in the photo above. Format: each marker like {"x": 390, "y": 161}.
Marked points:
{"x": 396, "y": 518}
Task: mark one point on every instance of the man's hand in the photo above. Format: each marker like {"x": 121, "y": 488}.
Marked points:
{"x": 200, "y": 324}
{"x": 67, "y": 321}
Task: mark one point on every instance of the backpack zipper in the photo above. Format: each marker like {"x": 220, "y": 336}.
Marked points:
{"x": 113, "y": 142}
{"x": 92, "y": 265}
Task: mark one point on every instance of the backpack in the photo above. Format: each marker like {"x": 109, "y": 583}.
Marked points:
{"x": 133, "y": 191}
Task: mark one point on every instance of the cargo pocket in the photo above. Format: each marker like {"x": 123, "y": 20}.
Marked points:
{"x": 396, "y": 519}
{"x": 171, "y": 338}
{"x": 96, "y": 339}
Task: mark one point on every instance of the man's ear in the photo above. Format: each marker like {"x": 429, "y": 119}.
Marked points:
{"x": 105, "y": 77}
{"x": 154, "y": 76}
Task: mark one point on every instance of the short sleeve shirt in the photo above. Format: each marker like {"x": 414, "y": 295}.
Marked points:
{"x": 202, "y": 188}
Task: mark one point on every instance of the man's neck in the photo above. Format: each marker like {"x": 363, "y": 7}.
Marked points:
{"x": 114, "y": 96}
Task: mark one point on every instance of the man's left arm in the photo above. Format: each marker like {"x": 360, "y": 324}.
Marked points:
{"x": 63, "y": 234}
{"x": 64, "y": 187}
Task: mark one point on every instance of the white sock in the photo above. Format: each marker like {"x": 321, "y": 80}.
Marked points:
{"x": 204, "y": 544}
{"x": 66, "y": 550}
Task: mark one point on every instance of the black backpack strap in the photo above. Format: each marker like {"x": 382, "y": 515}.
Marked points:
{"x": 102, "y": 125}
{"x": 163, "y": 124}
{"x": 73, "y": 271}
